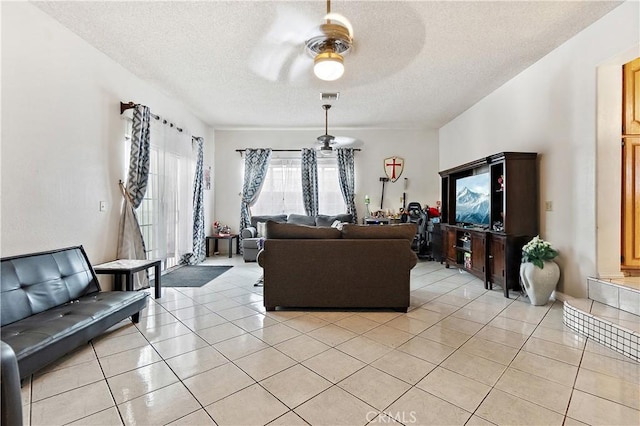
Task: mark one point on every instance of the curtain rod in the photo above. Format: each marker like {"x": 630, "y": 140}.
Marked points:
{"x": 130, "y": 105}
{"x": 283, "y": 150}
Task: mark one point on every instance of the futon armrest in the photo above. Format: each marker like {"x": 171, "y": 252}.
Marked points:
{"x": 11, "y": 394}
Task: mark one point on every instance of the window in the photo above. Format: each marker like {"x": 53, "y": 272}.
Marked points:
{"x": 165, "y": 214}
{"x": 330, "y": 199}
{"x": 282, "y": 189}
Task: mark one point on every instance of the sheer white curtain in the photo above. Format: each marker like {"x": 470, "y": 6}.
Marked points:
{"x": 170, "y": 204}
{"x": 330, "y": 199}
{"x": 282, "y": 189}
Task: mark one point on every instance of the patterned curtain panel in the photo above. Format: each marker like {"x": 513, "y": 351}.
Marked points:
{"x": 256, "y": 164}
{"x": 346, "y": 170}
{"x": 130, "y": 241}
{"x": 139, "y": 158}
{"x": 310, "y": 181}
{"x": 198, "y": 254}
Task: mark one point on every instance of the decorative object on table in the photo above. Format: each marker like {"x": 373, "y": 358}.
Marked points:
{"x": 393, "y": 167}
{"x": 220, "y": 229}
{"x": 539, "y": 274}
{"x": 367, "y": 201}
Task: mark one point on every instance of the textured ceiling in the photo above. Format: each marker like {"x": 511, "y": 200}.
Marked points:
{"x": 415, "y": 64}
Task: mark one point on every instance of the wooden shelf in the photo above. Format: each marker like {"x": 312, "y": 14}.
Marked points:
{"x": 495, "y": 255}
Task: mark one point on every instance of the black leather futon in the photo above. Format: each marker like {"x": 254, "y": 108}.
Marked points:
{"x": 51, "y": 303}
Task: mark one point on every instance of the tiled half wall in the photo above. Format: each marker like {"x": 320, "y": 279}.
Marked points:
{"x": 577, "y": 316}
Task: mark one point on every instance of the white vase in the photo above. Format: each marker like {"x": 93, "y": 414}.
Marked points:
{"x": 539, "y": 283}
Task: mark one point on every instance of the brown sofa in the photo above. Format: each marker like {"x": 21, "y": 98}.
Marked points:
{"x": 356, "y": 267}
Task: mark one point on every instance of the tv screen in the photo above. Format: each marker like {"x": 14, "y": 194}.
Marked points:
{"x": 473, "y": 200}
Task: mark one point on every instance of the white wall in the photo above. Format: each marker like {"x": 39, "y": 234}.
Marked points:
{"x": 419, "y": 148}
{"x": 62, "y": 144}
{"x": 550, "y": 108}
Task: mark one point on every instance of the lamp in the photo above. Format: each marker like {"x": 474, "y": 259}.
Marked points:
{"x": 328, "y": 65}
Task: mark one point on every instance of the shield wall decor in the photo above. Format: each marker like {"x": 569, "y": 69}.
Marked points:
{"x": 393, "y": 167}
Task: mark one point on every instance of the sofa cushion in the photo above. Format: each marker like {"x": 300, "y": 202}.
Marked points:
{"x": 300, "y": 232}
{"x": 301, "y": 219}
{"x": 406, "y": 231}
{"x": 275, "y": 218}
{"x": 35, "y": 283}
{"x": 324, "y": 220}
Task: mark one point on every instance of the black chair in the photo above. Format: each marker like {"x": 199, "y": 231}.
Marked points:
{"x": 417, "y": 215}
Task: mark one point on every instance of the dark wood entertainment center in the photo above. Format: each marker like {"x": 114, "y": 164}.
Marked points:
{"x": 492, "y": 252}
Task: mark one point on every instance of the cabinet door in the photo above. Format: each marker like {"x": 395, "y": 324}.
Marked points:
{"x": 478, "y": 252}
{"x": 497, "y": 259}
{"x": 450, "y": 246}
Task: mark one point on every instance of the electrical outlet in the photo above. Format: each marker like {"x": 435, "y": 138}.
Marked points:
{"x": 103, "y": 206}
{"x": 548, "y": 206}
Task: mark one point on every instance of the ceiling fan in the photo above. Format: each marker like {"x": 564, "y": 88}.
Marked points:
{"x": 295, "y": 44}
{"x": 335, "y": 39}
{"x": 326, "y": 143}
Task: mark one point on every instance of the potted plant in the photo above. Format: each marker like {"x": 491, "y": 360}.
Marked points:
{"x": 539, "y": 274}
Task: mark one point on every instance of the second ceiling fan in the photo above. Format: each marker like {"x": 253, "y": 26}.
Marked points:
{"x": 327, "y": 143}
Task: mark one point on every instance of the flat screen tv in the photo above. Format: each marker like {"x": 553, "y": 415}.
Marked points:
{"x": 473, "y": 199}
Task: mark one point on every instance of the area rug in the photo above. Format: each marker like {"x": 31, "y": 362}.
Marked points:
{"x": 192, "y": 276}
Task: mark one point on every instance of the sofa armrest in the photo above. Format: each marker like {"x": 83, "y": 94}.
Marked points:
{"x": 249, "y": 232}
{"x": 413, "y": 259}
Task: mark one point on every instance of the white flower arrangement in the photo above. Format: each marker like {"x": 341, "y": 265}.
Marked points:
{"x": 537, "y": 251}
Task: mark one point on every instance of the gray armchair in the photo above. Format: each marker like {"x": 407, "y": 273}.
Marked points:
{"x": 251, "y": 237}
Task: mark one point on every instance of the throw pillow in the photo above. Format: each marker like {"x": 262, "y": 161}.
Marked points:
{"x": 405, "y": 231}
{"x": 300, "y": 232}
{"x": 262, "y": 229}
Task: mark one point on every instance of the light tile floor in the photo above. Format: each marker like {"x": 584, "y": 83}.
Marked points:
{"x": 461, "y": 355}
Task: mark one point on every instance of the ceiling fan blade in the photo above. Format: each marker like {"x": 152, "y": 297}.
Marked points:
{"x": 333, "y": 142}
{"x": 270, "y": 61}
{"x": 300, "y": 68}
{"x": 276, "y": 53}
{"x": 347, "y": 142}
{"x": 341, "y": 19}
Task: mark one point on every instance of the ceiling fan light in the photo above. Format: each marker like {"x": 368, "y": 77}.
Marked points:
{"x": 328, "y": 66}
{"x": 326, "y": 150}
